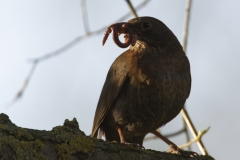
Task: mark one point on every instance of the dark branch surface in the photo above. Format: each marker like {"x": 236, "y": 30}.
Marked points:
{"x": 68, "y": 142}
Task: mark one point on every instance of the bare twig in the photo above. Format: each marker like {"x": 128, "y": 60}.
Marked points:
{"x": 65, "y": 48}
{"x": 197, "y": 139}
{"x": 184, "y": 44}
{"x": 167, "y": 135}
{"x": 184, "y": 111}
{"x": 85, "y": 16}
{"x": 131, "y": 7}
{"x": 137, "y": 8}
{"x": 25, "y": 84}
{"x": 193, "y": 131}
{"x": 78, "y": 39}
{"x": 186, "y": 132}
{"x": 186, "y": 25}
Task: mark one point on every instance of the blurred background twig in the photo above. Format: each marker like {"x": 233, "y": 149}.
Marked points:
{"x": 66, "y": 47}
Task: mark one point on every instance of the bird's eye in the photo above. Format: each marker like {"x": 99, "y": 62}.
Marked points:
{"x": 146, "y": 25}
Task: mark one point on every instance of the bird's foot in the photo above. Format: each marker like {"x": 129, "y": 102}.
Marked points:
{"x": 174, "y": 149}
{"x": 134, "y": 145}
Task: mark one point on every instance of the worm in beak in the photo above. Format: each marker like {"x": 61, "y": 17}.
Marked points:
{"x": 119, "y": 28}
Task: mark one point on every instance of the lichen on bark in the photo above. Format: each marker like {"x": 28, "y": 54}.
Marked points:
{"x": 68, "y": 142}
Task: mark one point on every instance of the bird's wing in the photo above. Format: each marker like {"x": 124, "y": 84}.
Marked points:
{"x": 114, "y": 83}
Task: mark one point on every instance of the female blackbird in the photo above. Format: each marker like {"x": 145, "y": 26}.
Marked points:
{"x": 146, "y": 86}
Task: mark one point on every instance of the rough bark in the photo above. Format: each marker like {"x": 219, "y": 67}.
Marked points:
{"x": 67, "y": 142}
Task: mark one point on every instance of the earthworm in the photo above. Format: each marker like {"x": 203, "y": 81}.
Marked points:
{"x": 117, "y": 29}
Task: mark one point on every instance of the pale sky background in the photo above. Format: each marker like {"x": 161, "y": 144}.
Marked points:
{"x": 69, "y": 85}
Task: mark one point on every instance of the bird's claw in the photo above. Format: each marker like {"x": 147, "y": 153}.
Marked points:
{"x": 175, "y": 150}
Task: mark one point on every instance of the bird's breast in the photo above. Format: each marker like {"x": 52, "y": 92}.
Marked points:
{"x": 155, "y": 88}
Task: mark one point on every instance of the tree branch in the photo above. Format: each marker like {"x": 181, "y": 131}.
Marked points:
{"x": 68, "y": 142}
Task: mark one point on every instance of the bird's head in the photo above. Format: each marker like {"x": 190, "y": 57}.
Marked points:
{"x": 147, "y": 30}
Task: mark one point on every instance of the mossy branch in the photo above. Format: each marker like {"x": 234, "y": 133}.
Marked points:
{"x": 68, "y": 142}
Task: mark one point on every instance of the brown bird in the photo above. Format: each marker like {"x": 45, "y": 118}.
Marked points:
{"x": 146, "y": 86}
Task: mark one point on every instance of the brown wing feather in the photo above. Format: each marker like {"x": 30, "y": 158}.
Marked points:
{"x": 114, "y": 82}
